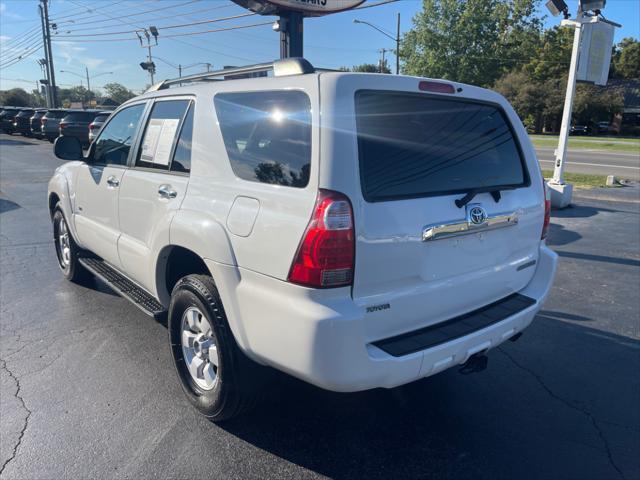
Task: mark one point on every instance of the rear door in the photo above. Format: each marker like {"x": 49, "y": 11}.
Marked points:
{"x": 153, "y": 189}
{"x": 418, "y": 252}
{"x": 98, "y": 184}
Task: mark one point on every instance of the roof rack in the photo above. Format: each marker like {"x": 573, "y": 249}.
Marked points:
{"x": 280, "y": 68}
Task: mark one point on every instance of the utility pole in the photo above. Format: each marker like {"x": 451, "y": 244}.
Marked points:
{"x": 44, "y": 11}
{"x": 86, "y": 69}
{"x": 149, "y": 66}
{"x": 45, "y": 64}
{"x": 382, "y": 59}
{"x": 398, "y": 47}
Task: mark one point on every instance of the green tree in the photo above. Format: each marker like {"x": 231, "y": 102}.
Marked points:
{"x": 372, "y": 68}
{"x": 118, "y": 93}
{"x": 552, "y": 56}
{"x": 16, "y": 97}
{"x": 625, "y": 62}
{"x": 471, "y": 41}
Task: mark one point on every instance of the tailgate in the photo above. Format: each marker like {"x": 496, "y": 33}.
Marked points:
{"x": 420, "y": 257}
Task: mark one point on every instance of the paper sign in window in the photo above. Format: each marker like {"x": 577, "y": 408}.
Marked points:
{"x": 158, "y": 140}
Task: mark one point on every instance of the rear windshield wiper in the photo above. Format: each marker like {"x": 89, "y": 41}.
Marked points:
{"x": 495, "y": 193}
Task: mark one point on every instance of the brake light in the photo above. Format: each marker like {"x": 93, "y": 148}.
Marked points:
{"x": 547, "y": 214}
{"x": 438, "y": 87}
{"x": 326, "y": 254}
{"x": 43, "y": 121}
{"x": 91, "y": 126}
{"x": 62, "y": 126}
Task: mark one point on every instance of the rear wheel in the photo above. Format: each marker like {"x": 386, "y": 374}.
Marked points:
{"x": 217, "y": 378}
{"x": 66, "y": 249}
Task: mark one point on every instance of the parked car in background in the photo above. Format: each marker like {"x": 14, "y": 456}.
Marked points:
{"x": 605, "y": 128}
{"x": 51, "y": 123}
{"x": 96, "y": 125}
{"x": 580, "y": 130}
{"x": 76, "y": 124}
{"x": 7, "y": 117}
{"x": 36, "y": 125}
{"x": 22, "y": 121}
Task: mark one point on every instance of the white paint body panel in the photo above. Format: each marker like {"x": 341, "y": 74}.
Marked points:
{"x": 247, "y": 233}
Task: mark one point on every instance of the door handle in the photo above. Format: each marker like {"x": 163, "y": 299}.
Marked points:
{"x": 113, "y": 181}
{"x": 165, "y": 191}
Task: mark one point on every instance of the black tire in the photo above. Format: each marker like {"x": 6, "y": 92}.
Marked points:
{"x": 238, "y": 379}
{"x": 71, "y": 268}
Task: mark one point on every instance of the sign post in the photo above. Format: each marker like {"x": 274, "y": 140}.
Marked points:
{"x": 291, "y": 18}
{"x": 590, "y": 63}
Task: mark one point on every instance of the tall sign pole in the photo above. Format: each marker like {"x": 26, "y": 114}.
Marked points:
{"x": 590, "y": 59}
{"x": 291, "y": 15}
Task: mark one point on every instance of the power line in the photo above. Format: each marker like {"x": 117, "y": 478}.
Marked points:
{"x": 21, "y": 50}
{"x": 151, "y": 19}
{"x": 215, "y": 20}
{"x": 24, "y": 56}
{"x": 132, "y": 15}
{"x": 236, "y": 27}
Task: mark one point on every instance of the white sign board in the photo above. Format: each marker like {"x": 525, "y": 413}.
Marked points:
{"x": 309, "y": 8}
{"x": 595, "y": 53}
{"x": 317, "y": 7}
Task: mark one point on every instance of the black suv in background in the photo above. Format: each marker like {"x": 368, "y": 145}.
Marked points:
{"x": 22, "y": 121}
{"x": 76, "y": 124}
{"x": 36, "y": 122}
{"x": 51, "y": 123}
{"x": 7, "y": 118}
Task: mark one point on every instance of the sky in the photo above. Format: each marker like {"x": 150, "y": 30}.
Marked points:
{"x": 329, "y": 42}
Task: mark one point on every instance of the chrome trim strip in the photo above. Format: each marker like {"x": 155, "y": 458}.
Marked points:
{"x": 465, "y": 227}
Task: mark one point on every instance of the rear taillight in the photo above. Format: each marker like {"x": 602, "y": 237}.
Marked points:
{"x": 91, "y": 126}
{"x": 43, "y": 121}
{"x": 547, "y": 214}
{"x": 325, "y": 256}
{"x": 62, "y": 126}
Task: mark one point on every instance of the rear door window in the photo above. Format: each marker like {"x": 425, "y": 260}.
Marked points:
{"x": 267, "y": 135}
{"x": 415, "y": 145}
{"x": 160, "y": 134}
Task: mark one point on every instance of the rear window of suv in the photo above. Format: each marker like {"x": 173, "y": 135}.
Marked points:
{"x": 415, "y": 145}
{"x": 267, "y": 135}
{"x": 101, "y": 118}
{"x": 55, "y": 114}
{"x": 80, "y": 117}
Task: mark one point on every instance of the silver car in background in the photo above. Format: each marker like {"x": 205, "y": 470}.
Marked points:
{"x": 51, "y": 123}
{"x": 96, "y": 125}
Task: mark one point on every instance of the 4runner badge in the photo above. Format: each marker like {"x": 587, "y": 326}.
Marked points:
{"x": 377, "y": 308}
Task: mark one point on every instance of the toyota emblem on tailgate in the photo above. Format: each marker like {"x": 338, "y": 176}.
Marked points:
{"x": 476, "y": 214}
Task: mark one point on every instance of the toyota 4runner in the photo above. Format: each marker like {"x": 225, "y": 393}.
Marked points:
{"x": 353, "y": 230}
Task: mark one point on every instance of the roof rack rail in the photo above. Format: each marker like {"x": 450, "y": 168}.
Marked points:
{"x": 280, "y": 68}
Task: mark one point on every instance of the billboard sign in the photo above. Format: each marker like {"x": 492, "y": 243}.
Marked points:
{"x": 595, "y": 52}
{"x": 310, "y": 8}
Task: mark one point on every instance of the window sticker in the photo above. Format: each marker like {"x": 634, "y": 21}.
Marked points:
{"x": 158, "y": 140}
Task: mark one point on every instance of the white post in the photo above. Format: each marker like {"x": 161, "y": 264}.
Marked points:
{"x": 559, "y": 190}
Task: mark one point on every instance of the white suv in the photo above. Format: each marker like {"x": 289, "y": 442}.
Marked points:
{"x": 352, "y": 230}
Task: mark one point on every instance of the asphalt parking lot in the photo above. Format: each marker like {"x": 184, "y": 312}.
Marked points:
{"x": 88, "y": 389}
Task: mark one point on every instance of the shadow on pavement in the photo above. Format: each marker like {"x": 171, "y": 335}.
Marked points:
{"x": 559, "y": 236}
{"x": 600, "y": 258}
{"x": 7, "y": 205}
{"x": 540, "y": 396}
{"x": 583, "y": 211}
{"x": 6, "y": 141}
{"x": 552, "y": 315}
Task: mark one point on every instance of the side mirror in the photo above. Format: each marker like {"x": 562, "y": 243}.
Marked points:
{"x": 68, "y": 148}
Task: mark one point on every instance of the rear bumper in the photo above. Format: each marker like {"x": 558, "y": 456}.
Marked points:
{"x": 319, "y": 335}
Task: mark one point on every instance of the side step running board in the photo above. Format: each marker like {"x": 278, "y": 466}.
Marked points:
{"x": 125, "y": 287}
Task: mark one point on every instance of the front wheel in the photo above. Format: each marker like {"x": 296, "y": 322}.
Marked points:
{"x": 217, "y": 378}
{"x": 66, "y": 249}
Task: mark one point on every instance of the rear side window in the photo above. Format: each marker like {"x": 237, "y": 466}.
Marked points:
{"x": 26, "y": 113}
{"x": 267, "y": 135}
{"x": 160, "y": 134}
{"x": 55, "y": 114}
{"x": 182, "y": 156}
{"x": 414, "y": 145}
